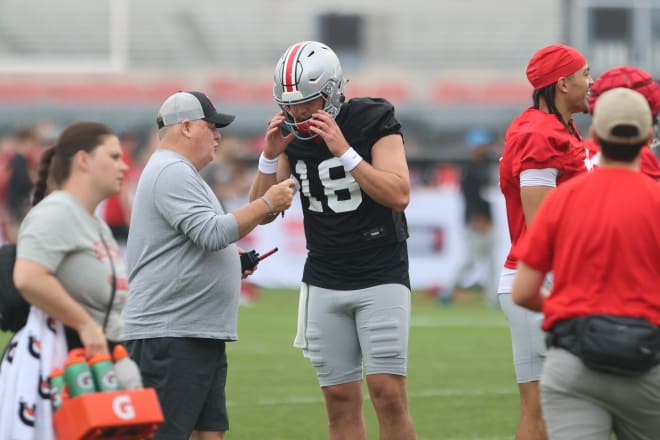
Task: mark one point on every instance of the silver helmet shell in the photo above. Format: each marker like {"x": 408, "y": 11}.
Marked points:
{"x": 306, "y": 71}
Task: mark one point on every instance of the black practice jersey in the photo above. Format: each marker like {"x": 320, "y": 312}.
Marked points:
{"x": 353, "y": 241}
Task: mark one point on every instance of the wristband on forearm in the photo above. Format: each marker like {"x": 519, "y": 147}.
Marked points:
{"x": 268, "y": 166}
{"x": 273, "y": 213}
{"x": 350, "y": 159}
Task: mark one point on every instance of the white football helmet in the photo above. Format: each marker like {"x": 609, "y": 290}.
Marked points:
{"x": 307, "y": 70}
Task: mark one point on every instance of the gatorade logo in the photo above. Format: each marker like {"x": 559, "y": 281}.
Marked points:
{"x": 50, "y": 323}
{"x": 44, "y": 388}
{"x": 123, "y": 407}
{"x": 11, "y": 352}
{"x": 57, "y": 398}
{"x": 109, "y": 380}
{"x": 84, "y": 381}
{"x": 26, "y": 413}
{"x": 34, "y": 347}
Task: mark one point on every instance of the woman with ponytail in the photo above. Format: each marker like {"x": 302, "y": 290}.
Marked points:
{"x": 69, "y": 269}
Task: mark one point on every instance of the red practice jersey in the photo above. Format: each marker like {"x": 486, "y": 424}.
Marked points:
{"x": 536, "y": 140}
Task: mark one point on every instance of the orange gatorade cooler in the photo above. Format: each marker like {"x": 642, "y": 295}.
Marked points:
{"x": 118, "y": 415}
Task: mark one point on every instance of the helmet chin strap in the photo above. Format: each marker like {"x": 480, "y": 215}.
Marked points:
{"x": 300, "y": 129}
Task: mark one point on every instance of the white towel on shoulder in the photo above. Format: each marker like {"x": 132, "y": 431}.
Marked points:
{"x": 33, "y": 352}
{"x": 301, "y": 332}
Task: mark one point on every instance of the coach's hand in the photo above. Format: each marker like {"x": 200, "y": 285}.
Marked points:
{"x": 281, "y": 194}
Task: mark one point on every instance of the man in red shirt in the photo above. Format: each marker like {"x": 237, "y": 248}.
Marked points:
{"x": 542, "y": 149}
{"x": 643, "y": 83}
{"x": 600, "y": 236}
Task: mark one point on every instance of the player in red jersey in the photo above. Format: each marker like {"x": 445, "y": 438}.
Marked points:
{"x": 642, "y": 82}
{"x": 349, "y": 158}
{"x": 600, "y": 235}
{"x": 542, "y": 149}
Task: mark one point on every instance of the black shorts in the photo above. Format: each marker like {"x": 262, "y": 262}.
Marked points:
{"x": 189, "y": 375}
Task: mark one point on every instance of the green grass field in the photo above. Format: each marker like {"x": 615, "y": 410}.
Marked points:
{"x": 460, "y": 378}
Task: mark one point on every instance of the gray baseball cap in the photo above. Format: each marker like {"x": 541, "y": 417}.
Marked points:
{"x": 190, "y": 106}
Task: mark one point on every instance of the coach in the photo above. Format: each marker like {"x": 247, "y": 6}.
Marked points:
{"x": 600, "y": 235}
{"x": 185, "y": 270}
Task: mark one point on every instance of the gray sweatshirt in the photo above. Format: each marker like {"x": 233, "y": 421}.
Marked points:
{"x": 184, "y": 270}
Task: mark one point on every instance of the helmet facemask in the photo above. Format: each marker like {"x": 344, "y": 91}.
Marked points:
{"x": 333, "y": 97}
{"x": 307, "y": 71}
{"x": 656, "y": 134}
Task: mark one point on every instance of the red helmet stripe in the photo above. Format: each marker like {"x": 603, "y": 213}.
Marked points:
{"x": 290, "y": 64}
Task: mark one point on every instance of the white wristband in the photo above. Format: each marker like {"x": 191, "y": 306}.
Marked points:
{"x": 350, "y": 159}
{"x": 268, "y": 166}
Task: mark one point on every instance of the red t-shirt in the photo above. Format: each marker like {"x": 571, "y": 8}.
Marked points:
{"x": 648, "y": 163}
{"x": 600, "y": 236}
{"x": 536, "y": 140}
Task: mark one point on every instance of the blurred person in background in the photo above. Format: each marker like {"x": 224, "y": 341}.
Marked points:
{"x": 68, "y": 267}
{"x": 116, "y": 210}
{"x": 350, "y": 162}
{"x": 476, "y": 181}
{"x": 20, "y": 183}
{"x": 542, "y": 150}
{"x": 7, "y": 147}
{"x": 642, "y": 82}
{"x": 185, "y": 270}
{"x": 599, "y": 234}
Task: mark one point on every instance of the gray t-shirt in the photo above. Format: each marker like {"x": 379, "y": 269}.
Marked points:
{"x": 61, "y": 235}
{"x": 184, "y": 271}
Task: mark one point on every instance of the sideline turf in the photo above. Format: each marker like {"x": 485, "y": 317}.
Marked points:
{"x": 461, "y": 383}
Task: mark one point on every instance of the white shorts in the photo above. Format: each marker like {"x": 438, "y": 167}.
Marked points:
{"x": 527, "y": 337}
{"x": 345, "y": 327}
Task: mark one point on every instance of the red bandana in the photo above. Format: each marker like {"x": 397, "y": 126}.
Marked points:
{"x": 551, "y": 63}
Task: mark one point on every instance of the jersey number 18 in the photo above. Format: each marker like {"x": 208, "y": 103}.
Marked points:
{"x": 331, "y": 187}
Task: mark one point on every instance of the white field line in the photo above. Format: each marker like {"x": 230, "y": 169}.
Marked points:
{"x": 472, "y": 438}
{"x": 440, "y": 322}
{"x": 299, "y": 400}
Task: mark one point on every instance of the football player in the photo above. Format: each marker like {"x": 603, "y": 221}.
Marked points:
{"x": 349, "y": 159}
{"x": 542, "y": 149}
{"x": 642, "y": 82}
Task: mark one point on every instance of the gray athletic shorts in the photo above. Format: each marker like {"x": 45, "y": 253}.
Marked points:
{"x": 527, "y": 339}
{"x": 582, "y": 404}
{"x": 347, "y": 327}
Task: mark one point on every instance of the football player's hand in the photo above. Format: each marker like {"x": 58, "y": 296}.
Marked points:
{"x": 276, "y": 142}
{"x": 325, "y": 126}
